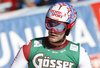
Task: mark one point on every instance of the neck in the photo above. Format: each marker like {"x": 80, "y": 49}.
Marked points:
{"x": 55, "y": 46}
{"x": 60, "y": 42}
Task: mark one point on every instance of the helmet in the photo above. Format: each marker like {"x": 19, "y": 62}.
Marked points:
{"x": 60, "y": 17}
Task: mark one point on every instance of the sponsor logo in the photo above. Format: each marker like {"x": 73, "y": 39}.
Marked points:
{"x": 73, "y": 47}
{"x": 57, "y": 12}
{"x": 62, "y": 51}
{"x": 37, "y": 43}
{"x": 42, "y": 61}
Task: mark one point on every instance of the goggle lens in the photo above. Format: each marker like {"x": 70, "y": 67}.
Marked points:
{"x": 55, "y": 25}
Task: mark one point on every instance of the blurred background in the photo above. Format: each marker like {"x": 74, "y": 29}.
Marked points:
{"x": 22, "y": 20}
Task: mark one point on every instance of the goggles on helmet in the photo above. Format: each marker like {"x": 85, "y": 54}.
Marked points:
{"x": 57, "y": 26}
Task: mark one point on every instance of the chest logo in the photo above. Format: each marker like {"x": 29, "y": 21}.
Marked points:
{"x": 42, "y": 61}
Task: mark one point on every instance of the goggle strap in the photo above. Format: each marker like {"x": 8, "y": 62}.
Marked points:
{"x": 71, "y": 25}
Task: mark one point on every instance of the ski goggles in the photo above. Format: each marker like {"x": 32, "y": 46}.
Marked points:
{"x": 57, "y": 26}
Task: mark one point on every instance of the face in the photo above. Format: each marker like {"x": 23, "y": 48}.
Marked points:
{"x": 54, "y": 37}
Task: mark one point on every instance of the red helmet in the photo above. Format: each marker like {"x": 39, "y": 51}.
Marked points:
{"x": 60, "y": 17}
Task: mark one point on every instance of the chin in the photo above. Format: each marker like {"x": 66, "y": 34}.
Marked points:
{"x": 52, "y": 40}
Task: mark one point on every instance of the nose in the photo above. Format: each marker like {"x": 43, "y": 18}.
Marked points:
{"x": 52, "y": 31}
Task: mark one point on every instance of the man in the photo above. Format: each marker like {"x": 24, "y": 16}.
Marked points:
{"x": 54, "y": 51}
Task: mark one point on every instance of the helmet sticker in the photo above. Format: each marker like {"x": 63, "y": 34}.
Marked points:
{"x": 61, "y": 4}
{"x": 62, "y": 12}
